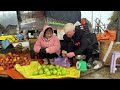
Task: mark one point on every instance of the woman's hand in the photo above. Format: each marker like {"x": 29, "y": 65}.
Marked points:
{"x": 70, "y": 54}
{"x": 42, "y": 50}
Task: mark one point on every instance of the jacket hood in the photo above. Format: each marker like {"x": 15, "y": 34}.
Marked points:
{"x": 44, "y": 28}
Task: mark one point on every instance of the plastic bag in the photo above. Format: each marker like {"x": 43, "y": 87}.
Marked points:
{"x": 62, "y": 61}
{"x": 5, "y": 43}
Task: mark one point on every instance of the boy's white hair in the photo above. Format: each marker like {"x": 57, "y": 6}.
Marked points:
{"x": 68, "y": 27}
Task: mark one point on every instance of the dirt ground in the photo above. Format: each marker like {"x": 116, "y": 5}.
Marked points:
{"x": 103, "y": 73}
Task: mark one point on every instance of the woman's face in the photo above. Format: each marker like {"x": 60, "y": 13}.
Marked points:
{"x": 48, "y": 34}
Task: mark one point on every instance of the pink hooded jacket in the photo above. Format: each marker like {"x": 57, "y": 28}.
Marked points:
{"x": 52, "y": 46}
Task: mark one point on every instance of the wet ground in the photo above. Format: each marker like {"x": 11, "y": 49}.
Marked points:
{"x": 103, "y": 73}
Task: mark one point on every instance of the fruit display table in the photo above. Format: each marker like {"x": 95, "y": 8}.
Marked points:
{"x": 33, "y": 71}
{"x": 21, "y": 73}
{"x": 25, "y": 44}
{"x": 12, "y": 73}
{"x": 8, "y": 61}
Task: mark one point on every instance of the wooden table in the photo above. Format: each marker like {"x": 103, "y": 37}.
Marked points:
{"x": 12, "y": 73}
{"x": 15, "y": 74}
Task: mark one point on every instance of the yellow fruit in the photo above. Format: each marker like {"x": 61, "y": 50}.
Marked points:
{"x": 35, "y": 73}
{"x": 48, "y": 73}
{"x": 54, "y": 72}
{"x": 57, "y": 66}
{"x": 40, "y": 72}
{"x": 63, "y": 72}
{"x": 59, "y": 73}
{"x": 46, "y": 70}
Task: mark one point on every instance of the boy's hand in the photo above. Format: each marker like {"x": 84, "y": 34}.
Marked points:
{"x": 64, "y": 53}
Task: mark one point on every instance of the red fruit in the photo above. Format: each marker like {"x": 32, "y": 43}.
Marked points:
{"x": 1, "y": 68}
{"x": 4, "y": 67}
{"x": 25, "y": 58}
{"x": 17, "y": 62}
{"x": 10, "y": 60}
{"x": 2, "y": 59}
{"x": 10, "y": 53}
{"x": 2, "y": 64}
{"x": 9, "y": 57}
{"x": 7, "y": 68}
{"x": 14, "y": 55}
{"x": 27, "y": 63}
{"x": 18, "y": 58}
{"x": 7, "y": 64}
{"x": 11, "y": 65}
{"x": 21, "y": 64}
{"x": 14, "y": 60}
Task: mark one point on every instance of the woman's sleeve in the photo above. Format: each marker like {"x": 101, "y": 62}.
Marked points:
{"x": 37, "y": 46}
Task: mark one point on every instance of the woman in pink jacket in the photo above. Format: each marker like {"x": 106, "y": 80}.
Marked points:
{"x": 47, "y": 45}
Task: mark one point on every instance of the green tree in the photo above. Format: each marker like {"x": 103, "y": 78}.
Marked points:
{"x": 113, "y": 20}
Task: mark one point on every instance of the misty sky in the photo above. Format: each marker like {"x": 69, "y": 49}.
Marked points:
{"x": 103, "y": 15}
{"x": 9, "y": 17}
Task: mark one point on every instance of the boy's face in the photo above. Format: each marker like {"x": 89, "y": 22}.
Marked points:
{"x": 70, "y": 33}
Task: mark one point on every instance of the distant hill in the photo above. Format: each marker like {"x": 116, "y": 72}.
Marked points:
{"x": 2, "y": 27}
